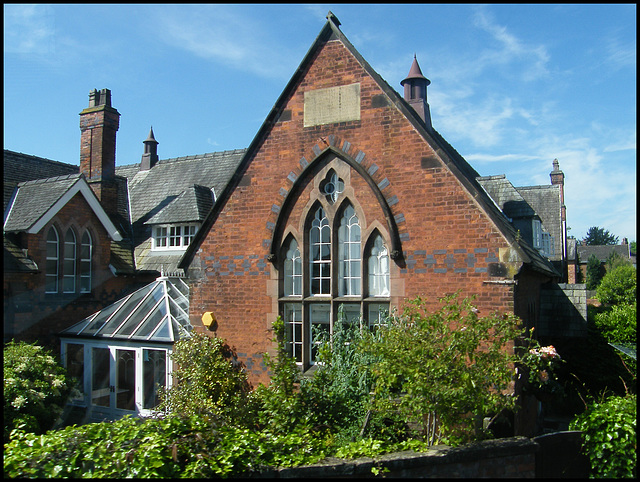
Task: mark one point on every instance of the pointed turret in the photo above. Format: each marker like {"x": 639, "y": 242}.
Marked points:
{"x": 415, "y": 92}
{"x": 150, "y": 156}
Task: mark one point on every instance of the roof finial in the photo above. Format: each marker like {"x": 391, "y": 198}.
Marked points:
{"x": 333, "y": 19}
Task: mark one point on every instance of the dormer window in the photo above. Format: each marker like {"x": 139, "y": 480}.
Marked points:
{"x": 542, "y": 240}
{"x": 174, "y": 236}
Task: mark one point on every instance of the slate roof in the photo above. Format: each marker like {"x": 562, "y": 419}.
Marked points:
{"x": 506, "y": 196}
{"x": 602, "y": 252}
{"x": 177, "y": 190}
{"x": 35, "y": 198}
{"x": 547, "y": 203}
{"x": 454, "y": 161}
{"x": 18, "y": 167}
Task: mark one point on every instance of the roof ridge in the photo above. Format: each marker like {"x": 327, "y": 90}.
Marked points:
{"x": 41, "y": 158}
{"x": 192, "y": 157}
{"x": 50, "y": 179}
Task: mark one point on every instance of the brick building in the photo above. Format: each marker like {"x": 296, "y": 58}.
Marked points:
{"x": 348, "y": 197}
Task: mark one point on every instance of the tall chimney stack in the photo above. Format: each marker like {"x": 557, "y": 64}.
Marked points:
{"x": 98, "y": 126}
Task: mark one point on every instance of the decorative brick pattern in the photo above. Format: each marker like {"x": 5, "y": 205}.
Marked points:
{"x": 447, "y": 242}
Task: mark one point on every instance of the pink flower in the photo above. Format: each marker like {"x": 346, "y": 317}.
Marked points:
{"x": 544, "y": 376}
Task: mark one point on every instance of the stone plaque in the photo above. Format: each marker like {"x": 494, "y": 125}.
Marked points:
{"x": 332, "y": 105}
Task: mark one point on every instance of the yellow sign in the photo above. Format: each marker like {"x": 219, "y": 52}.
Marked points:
{"x": 208, "y": 319}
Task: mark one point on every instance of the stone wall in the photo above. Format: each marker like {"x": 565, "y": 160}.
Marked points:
{"x": 563, "y": 310}
{"x": 509, "y": 457}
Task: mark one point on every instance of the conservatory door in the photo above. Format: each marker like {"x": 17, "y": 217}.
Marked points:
{"x": 113, "y": 381}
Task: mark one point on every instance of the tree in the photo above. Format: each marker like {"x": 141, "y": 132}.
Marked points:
{"x": 594, "y": 274}
{"x": 597, "y": 236}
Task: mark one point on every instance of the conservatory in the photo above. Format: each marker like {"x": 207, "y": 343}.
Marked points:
{"x": 120, "y": 355}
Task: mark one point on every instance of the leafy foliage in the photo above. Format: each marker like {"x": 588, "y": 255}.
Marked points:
{"x": 194, "y": 446}
{"x": 280, "y": 407}
{"x": 609, "y": 436}
{"x": 597, "y": 236}
{"x": 618, "y": 286}
{"x": 207, "y": 380}
{"x": 450, "y": 365}
{"x": 594, "y": 272}
{"x": 35, "y": 388}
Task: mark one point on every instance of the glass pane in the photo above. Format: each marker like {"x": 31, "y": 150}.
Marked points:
{"x": 85, "y": 284}
{"x": 126, "y": 379}
{"x": 75, "y": 366}
{"x": 154, "y": 367}
{"x": 377, "y": 314}
{"x": 378, "y": 265}
{"x": 293, "y": 330}
{"x": 141, "y": 313}
{"x": 52, "y": 250}
{"x": 149, "y": 325}
{"x": 164, "y": 332}
{"x": 100, "y": 366}
{"x": 320, "y": 318}
{"x": 69, "y": 284}
{"x": 145, "y": 307}
{"x": 52, "y": 266}
{"x": 101, "y": 317}
{"x": 177, "y": 296}
{"x": 178, "y": 313}
{"x": 293, "y": 271}
{"x": 349, "y": 313}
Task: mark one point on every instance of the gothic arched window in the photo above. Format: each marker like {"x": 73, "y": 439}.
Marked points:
{"x": 86, "y": 249}
{"x": 69, "y": 262}
{"x": 52, "y": 261}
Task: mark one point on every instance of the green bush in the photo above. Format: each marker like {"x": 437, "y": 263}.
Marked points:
{"x": 35, "y": 388}
{"x": 618, "y": 324}
{"x": 609, "y": 436}
{"x": 618, "y": 286}
{"x": 449, "y": 368}
{"x": 207, "y": 379}
{"x": 171, "y": 447}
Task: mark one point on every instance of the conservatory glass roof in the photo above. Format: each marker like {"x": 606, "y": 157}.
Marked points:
{"x": 157, "y": 312}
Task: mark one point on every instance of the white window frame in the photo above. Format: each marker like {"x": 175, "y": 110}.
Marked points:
{"x": 172, "y": 237}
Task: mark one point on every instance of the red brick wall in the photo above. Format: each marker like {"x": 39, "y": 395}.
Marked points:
{"x": 32, "y": 315}
{"x": 447, "y": 240}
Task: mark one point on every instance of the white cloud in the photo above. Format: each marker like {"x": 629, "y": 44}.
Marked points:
{"x": 216, "y": 33}
{"x": 534, "y": 58}
{"x": 29, "y": 29}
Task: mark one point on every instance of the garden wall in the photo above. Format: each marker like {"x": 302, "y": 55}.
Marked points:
{"x": 501, "y": 458}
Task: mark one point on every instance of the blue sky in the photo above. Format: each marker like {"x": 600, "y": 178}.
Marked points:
{"x": 512, "y": 86}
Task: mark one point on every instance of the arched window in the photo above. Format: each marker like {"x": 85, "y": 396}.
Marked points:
{"x": 86, "y": 249}
{"x": 349, "y": 254}
{"x": 320, "y": 254}
{"x": 293, "y": 270}
{"x": 378, "y": 267}
{"x": 344, "y": 277}
{"x": 52, "y": 261}
{"x": 69, "y": 263}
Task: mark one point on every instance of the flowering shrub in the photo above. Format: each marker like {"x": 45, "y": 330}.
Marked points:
{"x": 542, "y": 362}
{"x": 35, "y": 388}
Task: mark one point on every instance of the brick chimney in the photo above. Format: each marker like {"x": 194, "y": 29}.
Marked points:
{"x": 415, "y": 92}
{"x": 557, "y": 178}
{"x": 98, "y": 126}
{"x": 150, "y": 156}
